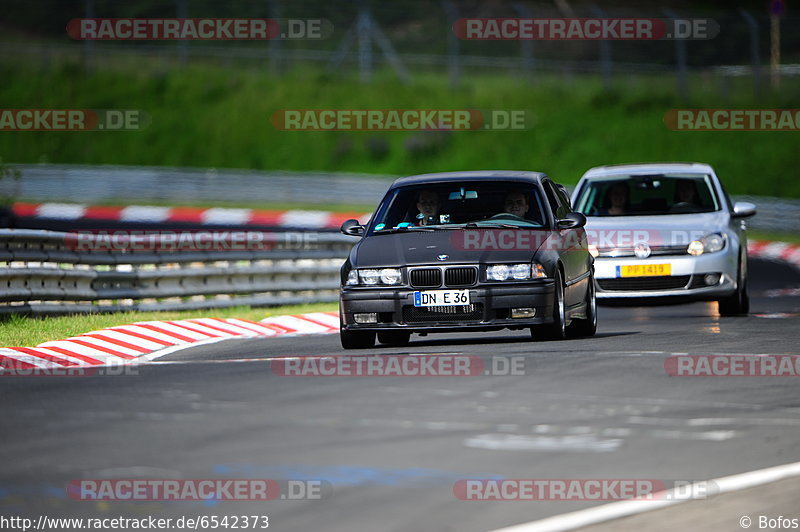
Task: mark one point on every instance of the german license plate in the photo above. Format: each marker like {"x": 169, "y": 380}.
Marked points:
{"x": 441, "y": 298}
{"x": 644, "y": 270}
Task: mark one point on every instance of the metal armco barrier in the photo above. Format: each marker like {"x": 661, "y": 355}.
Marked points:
{"x": 87, "y": 184}
{"x": 46, "y": 272}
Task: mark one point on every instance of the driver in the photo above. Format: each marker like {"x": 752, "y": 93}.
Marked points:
{"x": 686, "y": 192}
{"x": 516, "y": 203}
{"x": 428, "y": 207}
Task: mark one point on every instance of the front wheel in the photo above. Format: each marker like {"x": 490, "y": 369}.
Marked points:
{"x": 588, "y": 326}
{"x": 558, "y": 329}
{"x": 738, "y": 303}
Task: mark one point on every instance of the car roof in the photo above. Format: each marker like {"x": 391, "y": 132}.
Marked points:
{"x": 475, "y": 175}
{"x": 648, "y": 168}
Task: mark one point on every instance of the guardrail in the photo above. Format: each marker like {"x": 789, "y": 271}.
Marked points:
{"x": 109, "y": 183}
{"x": 46, "y": 272}
{"x": 86, "y": 184}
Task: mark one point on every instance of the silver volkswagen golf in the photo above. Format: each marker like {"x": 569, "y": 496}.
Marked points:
{"x": 667, "y": 231}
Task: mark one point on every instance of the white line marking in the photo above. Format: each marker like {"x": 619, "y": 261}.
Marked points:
{"x": 616, "y": 510}
{"x": 513, "y": 442}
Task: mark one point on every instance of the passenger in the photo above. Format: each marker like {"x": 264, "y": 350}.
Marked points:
{"x": 617, "y": 200}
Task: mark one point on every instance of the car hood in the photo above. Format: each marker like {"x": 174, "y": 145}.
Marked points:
{"x": 423, "y": 247}
{"x": 667, "y": 230}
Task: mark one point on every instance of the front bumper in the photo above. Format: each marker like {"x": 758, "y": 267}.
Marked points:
{"x": 492, "y": 308}
{"x": 686, "y": 280}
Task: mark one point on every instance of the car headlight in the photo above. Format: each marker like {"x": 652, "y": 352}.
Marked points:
{"x": 498, "y": 272}
{"x": 390, "y": 276}
{"x": 369, "y": 277}
{"x": 714, "y": 242}
{"x": 516, "y": 272}
{"x": 708, "y": 244}
{"x": 521, "y": 271}
{"x": 374, "y": 277}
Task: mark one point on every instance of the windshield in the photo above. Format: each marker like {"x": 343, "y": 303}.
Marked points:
{"x": 453, "y": 205}
{"x": 647, "y": 195}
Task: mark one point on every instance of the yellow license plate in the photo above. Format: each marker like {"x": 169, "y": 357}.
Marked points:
{"x": 644, "y": 270}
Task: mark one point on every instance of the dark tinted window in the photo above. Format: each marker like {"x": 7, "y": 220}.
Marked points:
{"x": 648, "y": 195}
{"x": 558, "y": 202}
{"x": 443, "y": 205}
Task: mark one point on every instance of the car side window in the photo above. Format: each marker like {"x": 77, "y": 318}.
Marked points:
{"x": 728, "y": 200}
{"x": 557, "y": 204}
{"x": 564, "y": 199}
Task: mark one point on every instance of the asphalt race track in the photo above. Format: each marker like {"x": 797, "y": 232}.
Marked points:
{"x": 392, "y": 448}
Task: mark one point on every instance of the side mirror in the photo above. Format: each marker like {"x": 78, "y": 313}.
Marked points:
{"x": 743, "y": 209}
{"x": 352, "y": 227}
{"x": 573, "y": 220}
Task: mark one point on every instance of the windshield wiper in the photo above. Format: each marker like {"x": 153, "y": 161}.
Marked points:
{"x": 403, "y": 229}
{"x": 473, "y": 225}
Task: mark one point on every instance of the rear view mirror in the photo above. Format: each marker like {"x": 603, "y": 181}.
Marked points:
{"x": 743, "y": 209}
{"x": 573, "y": 220}
{"x": 463, "y": 194}
{"x": 352, "y": 227}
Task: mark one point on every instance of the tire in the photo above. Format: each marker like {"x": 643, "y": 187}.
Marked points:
{"x": 356, "y": 339}
{"x": 398, "y": 338}
{"x": 586, "y": 327}
{"x": 737, "y": 304}
{"x": 558, "y": 329}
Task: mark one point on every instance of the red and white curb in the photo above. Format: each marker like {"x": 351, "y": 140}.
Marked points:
{"x": 146, "y": 340}
{"x": 195, "y": 215}
{"x": 778, "y": 251}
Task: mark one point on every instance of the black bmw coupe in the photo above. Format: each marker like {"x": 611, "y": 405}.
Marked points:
{"x": 478, "y": 251}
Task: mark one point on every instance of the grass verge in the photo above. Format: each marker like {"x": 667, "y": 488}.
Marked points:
{"x": 792, "y": 238}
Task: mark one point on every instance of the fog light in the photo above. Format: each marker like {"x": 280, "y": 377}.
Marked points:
{"x": 366, "y": 317}
{"x": 711, "y": 278}
{"x": 525, "y": 312}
